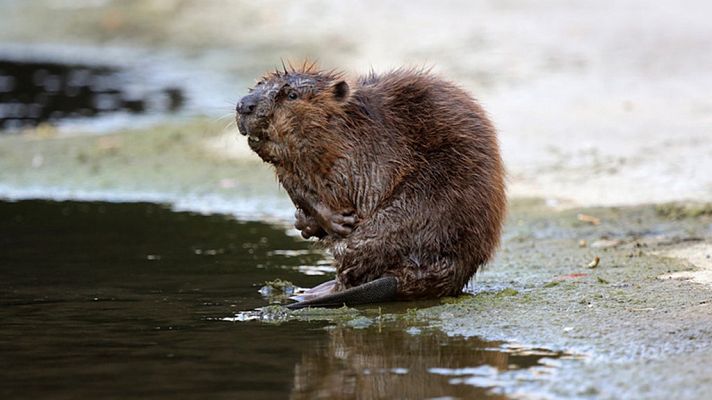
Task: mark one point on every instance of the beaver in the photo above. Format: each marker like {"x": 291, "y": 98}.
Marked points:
{"x": 399, "y": 174}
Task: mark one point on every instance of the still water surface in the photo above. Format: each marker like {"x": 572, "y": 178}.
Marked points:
{"x": 102, "y": 300}
{"x": 33, "y": 92}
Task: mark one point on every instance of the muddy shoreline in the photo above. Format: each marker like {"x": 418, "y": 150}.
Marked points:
{"x": 630, "y": 313}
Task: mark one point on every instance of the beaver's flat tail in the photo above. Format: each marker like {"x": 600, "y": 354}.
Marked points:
{"x": 377, "y": 291}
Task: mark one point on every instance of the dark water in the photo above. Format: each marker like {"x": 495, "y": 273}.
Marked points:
{"x": 128, "y": 300}
{"x": 36, "y": 92}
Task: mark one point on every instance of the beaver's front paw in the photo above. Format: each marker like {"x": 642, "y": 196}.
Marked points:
{"x": 307, "y": 225}
{"x": 343, "y": 223}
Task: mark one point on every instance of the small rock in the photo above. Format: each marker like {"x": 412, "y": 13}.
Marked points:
{"x": 595, "y": 262}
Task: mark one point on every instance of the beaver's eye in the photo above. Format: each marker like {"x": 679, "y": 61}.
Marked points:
{"x": 293, "y": 95}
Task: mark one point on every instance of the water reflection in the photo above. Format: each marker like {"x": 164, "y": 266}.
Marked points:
{"x": 391, "y": 362}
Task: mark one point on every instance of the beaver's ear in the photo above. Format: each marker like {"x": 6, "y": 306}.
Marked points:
{"x": 340, "y": 90}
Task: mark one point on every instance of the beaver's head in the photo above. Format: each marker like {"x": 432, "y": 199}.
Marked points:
{"x": 288, "y": 115}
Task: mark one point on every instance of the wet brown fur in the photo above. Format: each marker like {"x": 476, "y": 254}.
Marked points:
{"x": 413, "y": 156}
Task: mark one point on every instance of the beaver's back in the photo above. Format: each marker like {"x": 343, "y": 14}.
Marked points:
{"x": 426, "y": 146}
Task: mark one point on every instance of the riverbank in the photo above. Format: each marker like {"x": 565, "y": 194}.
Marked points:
{"x": 613, "y": 284}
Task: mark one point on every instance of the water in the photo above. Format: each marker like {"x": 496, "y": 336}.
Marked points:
{"x": 102, "y": 300}
{"x": 33, "y": 92}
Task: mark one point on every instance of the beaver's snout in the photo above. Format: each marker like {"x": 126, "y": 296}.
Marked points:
{"x": 247, "y": 104}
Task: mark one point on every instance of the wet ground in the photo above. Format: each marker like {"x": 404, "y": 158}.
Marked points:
{"x": 134, "y": 300}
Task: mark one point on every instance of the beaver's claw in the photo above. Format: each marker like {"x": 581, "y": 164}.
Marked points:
{"x": 308, "y": 225}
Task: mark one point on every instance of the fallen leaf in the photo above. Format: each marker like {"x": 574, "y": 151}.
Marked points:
{"x": 589, "y": 218}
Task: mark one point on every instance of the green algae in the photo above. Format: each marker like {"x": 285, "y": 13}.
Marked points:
{"x": 678, "y": 211}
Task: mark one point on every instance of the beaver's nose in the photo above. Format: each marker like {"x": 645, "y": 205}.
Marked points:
{"x": 247, "y": 104}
